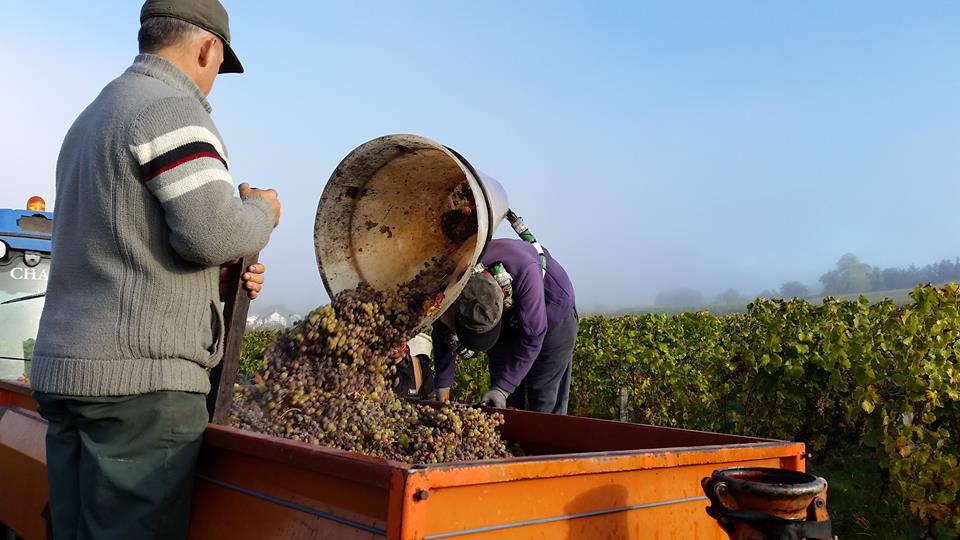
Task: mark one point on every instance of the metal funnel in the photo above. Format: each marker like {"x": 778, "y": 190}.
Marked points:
{"x": 400, "y": 205}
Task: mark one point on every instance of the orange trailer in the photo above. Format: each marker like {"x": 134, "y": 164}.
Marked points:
{"x": 581, "y": 478}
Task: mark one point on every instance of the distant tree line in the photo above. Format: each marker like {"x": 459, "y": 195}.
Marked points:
{"x": 850, "y": 276}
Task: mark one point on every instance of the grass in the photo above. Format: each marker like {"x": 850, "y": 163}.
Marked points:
{"x": 861, "y": 504}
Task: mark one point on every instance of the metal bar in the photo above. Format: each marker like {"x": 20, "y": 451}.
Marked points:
{"x": 298, "y": 507}
{"x": 537, "y": 434}
{"x": 223, "y": 376}
{"x": 565, "y": 517}
{"x": 37, "y": 236}
{"x": 396, "y": 495}
{"x": 565, "y": 457}
{"x": 302, "y": 456}
{"x": 33, "y": 415}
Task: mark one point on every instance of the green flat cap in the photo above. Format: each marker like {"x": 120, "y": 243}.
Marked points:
{"x": 207, "y": 14}
{"x": 479, "y": 312}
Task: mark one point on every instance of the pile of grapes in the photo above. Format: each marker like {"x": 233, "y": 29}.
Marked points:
{"x": 328, "y": 382}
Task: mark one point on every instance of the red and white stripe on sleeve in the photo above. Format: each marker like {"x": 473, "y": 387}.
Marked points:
{"x": 181, "y": 161}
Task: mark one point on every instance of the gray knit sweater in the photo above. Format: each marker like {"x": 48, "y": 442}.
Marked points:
{"x": 146, "y": 212}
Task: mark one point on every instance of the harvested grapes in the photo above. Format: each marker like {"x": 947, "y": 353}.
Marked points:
{"x": 327, "y": 382}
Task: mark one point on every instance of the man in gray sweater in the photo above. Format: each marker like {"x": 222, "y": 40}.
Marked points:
{"x": 146, "y": 215}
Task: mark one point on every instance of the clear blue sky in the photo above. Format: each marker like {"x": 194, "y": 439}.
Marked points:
{"x": 649, "y": 145}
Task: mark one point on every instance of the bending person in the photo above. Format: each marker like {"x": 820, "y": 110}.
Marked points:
{"x": 521, "y": 310}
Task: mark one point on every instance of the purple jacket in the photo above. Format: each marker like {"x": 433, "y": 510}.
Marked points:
{"x": 539, "y": 303}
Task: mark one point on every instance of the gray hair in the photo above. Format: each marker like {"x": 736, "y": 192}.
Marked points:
{"x": 158, "y": 33}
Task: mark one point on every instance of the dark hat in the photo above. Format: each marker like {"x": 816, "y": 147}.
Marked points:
{"x": 480, "y": 313}
{"x": 207, "y": 14}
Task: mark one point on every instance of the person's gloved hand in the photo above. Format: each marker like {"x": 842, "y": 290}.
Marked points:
{"x": 495, "y": 397}
{"x": 440, "y": 394}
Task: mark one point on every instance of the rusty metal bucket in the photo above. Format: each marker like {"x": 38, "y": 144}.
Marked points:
{"x": 768, "y": 504}
{"x": 401, "y": 207}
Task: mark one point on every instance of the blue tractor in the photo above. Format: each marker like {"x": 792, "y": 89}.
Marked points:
{"x": 24, "y": 266}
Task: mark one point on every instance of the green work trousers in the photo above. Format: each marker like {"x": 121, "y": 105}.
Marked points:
{"x": 121, "y": 468}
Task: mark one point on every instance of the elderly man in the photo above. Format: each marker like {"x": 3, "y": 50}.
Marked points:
{"x": 146, "y": 216}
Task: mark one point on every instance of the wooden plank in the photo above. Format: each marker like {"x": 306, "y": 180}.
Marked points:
{"x": 223, "y": 376}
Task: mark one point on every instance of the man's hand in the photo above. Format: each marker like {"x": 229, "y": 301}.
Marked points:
{"x": 252, "y": 279}
{"x": 495, "y": 397}
{"x": 440, "y": 394}
{"x": 269, "y": 195}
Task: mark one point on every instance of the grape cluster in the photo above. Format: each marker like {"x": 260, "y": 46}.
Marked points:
{"x": 328, "y": 382}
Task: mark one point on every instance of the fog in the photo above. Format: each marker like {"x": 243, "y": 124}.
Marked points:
{"x": 697, "y": 145}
